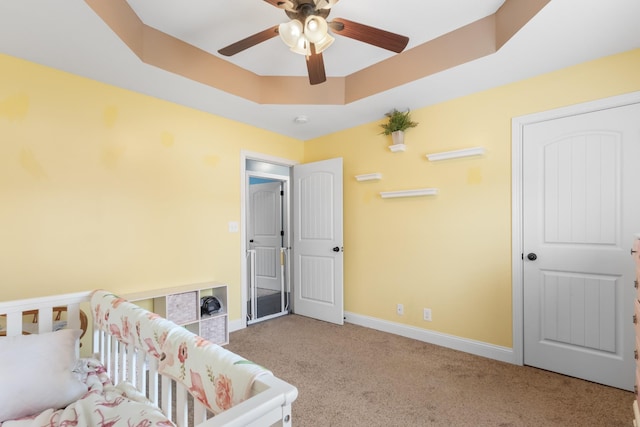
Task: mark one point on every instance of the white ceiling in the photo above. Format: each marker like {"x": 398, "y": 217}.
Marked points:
{"x": 68, "y": 35}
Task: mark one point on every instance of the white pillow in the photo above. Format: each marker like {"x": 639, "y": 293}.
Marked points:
{"x": 36, "y": 373}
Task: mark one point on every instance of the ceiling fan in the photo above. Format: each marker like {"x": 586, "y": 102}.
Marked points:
{"x": 307, "y": 34}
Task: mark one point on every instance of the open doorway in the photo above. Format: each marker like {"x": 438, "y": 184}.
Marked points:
{"x": 313, "y": 249}
{"x": 267, "y": 287}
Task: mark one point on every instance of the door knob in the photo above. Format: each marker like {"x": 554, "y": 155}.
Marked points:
{"x": 336, "y": 249}
{"x": 532, "y": 257}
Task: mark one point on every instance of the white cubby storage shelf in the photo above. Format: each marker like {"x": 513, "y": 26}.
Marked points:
{"x": 181, "y": 304}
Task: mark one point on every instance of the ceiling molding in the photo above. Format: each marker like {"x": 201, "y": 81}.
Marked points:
{"x": 513, "y": 15}
{"x": 480, "y": 38}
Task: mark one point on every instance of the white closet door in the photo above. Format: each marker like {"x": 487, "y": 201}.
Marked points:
{"x": 581, "y": 210}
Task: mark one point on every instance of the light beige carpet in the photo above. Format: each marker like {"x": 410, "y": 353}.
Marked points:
{"x": 354, "y": 376}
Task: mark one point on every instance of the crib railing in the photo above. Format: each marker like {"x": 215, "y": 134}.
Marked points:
{"x": 17, "y": 317}
{"x": 125, "y": 362}
{"x": 269, "y": 403}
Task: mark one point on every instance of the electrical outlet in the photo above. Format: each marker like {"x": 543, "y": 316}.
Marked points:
{"x": 400, "y": 309}
{"x": 426, "y": 314}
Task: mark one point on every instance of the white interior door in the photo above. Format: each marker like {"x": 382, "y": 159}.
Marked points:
{"x": 264, "y": 232}
{"x": 317, "y": 240}
{"x": 581, "y": 208}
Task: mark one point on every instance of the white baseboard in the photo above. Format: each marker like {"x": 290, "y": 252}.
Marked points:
{"x": 236, "y": 325}
{"x": 478, "y": 348}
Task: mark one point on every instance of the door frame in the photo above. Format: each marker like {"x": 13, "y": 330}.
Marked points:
{"x": 517, "y": 198}
{"x": 244, "y": 156}
{"x": 285, "y": 240}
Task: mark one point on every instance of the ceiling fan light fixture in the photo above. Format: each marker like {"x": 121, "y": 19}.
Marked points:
{"x": 315, "y": 28}
{"x": 302, "y": 46}
{"x": 290, "y": 32}
{"x": 286, "y": 5}
{"x": 325, "y": 4}
{"x": 324, "y": 43}
{"x": 307, "y": 33}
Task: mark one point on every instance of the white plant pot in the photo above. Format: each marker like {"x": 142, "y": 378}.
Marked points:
{"x": 397, "y": 137}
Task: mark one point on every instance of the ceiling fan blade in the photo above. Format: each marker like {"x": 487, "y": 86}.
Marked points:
{"x": 282, "y": 4}
{"x": 250, "y": 41}
{"x": 315, "y": 67}
{"x": 371, "y": 35}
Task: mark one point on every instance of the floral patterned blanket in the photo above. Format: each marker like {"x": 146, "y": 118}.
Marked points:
{"x": 218, "y": 378}
{"x": 104, "y": 405}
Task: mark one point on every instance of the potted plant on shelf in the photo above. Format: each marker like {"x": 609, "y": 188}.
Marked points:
{"x": 397, "y": 123}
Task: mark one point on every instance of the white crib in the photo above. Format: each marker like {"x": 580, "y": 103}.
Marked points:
{"x": 270, "y": 398}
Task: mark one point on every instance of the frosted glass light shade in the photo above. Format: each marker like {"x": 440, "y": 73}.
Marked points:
{"x": 286, "y": 4}
{"x": 302, "y": 46}
{"x": 324, "y": 43}
{"x": 290, "y": 32}
{"x": 299, "y": 37}
{"x": 325, "y": 4}
{"x": 315, "y": 28}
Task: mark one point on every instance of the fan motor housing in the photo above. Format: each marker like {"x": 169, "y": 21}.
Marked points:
{"x": 304, "y": 9}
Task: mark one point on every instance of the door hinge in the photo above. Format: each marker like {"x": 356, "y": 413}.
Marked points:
{"x": 281, "y": 193}
{"x": 282, "y": 232}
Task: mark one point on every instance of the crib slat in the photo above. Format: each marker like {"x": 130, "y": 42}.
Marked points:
{"x": 73, "y": 316}
{"x": 122, "y": 362}
{"x": 45, "y": 320}
{"x": 141, "y": 383}
{"x": 99, "y": 349}
{"x": 153, "y": 381}
{"x": 130, "y": 354}
{"x": 199, "y": 412}
{"x": 166, "y": 396}
{"x": 103, "y": 348}
{"x": 182, "y": 412}
{"x": 14, "y": 324}
{"x": 113, "y": 362}
{"x": 108, "y": 356}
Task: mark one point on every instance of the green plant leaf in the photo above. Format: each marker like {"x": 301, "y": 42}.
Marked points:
{"x": 397, "y": 120}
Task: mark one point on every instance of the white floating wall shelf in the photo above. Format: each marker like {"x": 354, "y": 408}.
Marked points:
{"x": 369, "y": 176}
{"x": 445, "y": 155}
{"x": 409, "y": 193}
{"x": 397, "y": 147}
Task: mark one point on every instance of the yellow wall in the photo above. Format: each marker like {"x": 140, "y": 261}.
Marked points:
{"x": 450, "y": 252}
{"x": 105, "y": 188}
